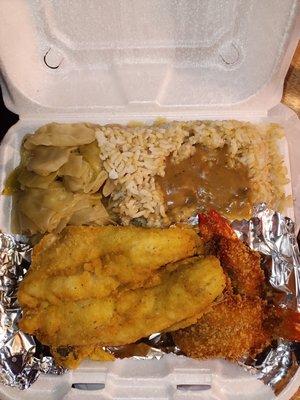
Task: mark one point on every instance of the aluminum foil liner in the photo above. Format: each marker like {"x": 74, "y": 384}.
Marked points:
{"x": 23, "y": 358}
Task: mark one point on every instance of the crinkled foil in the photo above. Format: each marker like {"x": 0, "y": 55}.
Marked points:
{"x": 23, "y": 358}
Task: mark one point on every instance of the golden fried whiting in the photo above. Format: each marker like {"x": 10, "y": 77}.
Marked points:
{"x": 91, "y": 262}
{"x": 90, "y": 287}
{"x": 70, "y": 356}
{"x": 184, "y": 290}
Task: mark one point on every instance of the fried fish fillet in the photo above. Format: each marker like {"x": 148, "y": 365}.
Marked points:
{"x": 181, "y": 292}
{"x": 71, "y": 356}
{"x": 90, "y": 287}
{"x": 84, "y": 263}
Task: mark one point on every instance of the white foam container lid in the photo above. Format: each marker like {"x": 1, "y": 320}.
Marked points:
{"x": 119, "y": 60}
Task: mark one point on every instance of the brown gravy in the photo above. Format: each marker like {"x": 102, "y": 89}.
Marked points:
{"x": 205, "y": 181}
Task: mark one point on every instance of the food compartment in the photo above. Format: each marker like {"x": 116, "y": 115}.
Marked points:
{"x": 148, "y": 60}
{"x": 209, "y": 378}
{"x": 158, "y": 188}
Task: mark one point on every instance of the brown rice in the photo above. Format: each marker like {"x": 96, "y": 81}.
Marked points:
{"x": 133, "y": 155}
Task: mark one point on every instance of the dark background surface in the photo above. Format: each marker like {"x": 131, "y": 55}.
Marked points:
{"x": 7, "y": 118}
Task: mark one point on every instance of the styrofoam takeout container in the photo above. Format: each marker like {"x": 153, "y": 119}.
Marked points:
{"x": 120, "y": 60}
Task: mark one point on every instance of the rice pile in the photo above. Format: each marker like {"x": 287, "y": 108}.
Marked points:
{"x": 133, "y": 155}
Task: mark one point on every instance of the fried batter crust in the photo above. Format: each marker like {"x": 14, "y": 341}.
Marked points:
{"x": 186, "y": 290}
{"x": 232, "y": 329}
{"x": 91, "y": 262}
{"x": 242, "y": 265}
{"x": 70, "y": 356}
{"x": 236, "y": 327}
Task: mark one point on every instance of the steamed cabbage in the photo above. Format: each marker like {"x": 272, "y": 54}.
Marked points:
{"x": 59, "y": 179}
{"x": 83, "y": 172}
{"x": 50, "y": 210}
{"x": 32, "y": 180}
{"x": 61, "y": 135}
{"x": 46, "y": 159}
{"x": 73, "y": 167}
